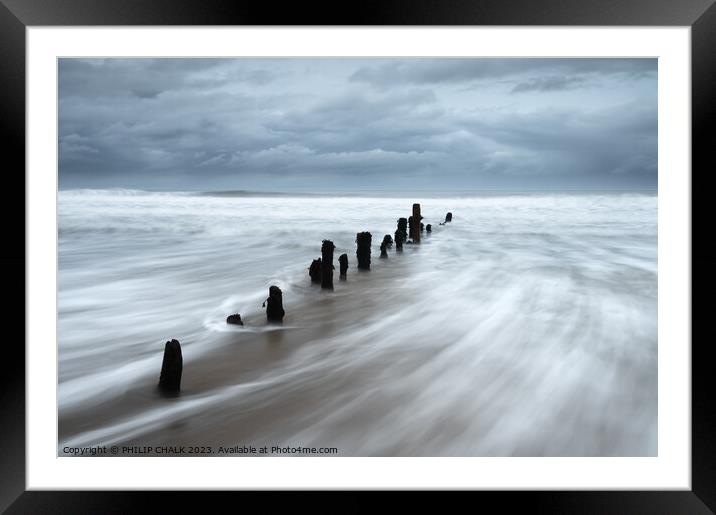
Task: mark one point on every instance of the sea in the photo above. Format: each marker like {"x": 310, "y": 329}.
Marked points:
{"x": 527, "y": 326}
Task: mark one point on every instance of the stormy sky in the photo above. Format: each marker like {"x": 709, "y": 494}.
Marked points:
{"x": 358, "y": 124}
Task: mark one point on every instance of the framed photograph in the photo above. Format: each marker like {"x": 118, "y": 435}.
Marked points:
{"x": 437, "y": 249}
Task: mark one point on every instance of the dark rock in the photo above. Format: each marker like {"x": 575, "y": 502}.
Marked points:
{"x": 314, "y": 271}
{"x": 172, "y": 364}
{"x": 234, "y": 319}
{"x": 327, "y": 267}
{"x": 363, "y": 240}
{"x": 274, "y": 305}
{"x": 343, "y": 261}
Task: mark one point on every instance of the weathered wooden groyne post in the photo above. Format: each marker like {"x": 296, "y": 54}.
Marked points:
{"x": 401, "y": 235}
{"x": 327, "y": 267}
{"x": 422, "y": 227}
{"x": 234, "y": 319}
{"x": 314, "y": 271}
{"x": 343, "y": 261}
{"x": 448, "y": 217}
{"x": 363, "y": 239}
{"x": 429, "y": 228}
{"x": 172, "y": 364}
{"x": 387, "y": 241}
{"x": 274, "y": 305}
{"x": 403, "y": 229}
{"x": 415, "y": 226}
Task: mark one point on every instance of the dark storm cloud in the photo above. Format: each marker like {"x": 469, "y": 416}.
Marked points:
{"x": 548, "y": 84}
{"x": 322, "y": 123}
{"x": 615, "y": 141}
{"x": 436, "y": 71}
{"x": 147, "y": 78}
{"x": 146, "y": 93}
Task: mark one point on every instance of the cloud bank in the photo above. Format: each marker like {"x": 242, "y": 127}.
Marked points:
{"x": 346, "y": 124}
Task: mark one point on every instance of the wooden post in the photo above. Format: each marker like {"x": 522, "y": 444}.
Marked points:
{"x": 343, "y": 260}
{"x": 274, "y": 305}
{"x": 172, "y": 364}
{"x": 429, "y": 228}
{"x": 416, "y": 223}
{"x": 448, "y": 217}
{"x": 327, "y": 264}
{"x": 234, "y": 319}
{"x": 403, "y": 228}
{"x": 315, "y": 271}
{"x": 422, "y": 227}
{"x": 387, "y": 241}
{"x": 363, "y": 239}
{"x": 401, "y": 235}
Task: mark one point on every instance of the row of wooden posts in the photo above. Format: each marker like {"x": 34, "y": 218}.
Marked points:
{"x": 321, "y": 270}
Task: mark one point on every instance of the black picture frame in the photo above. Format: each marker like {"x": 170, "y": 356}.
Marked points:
{"x": 700, "y": 15}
